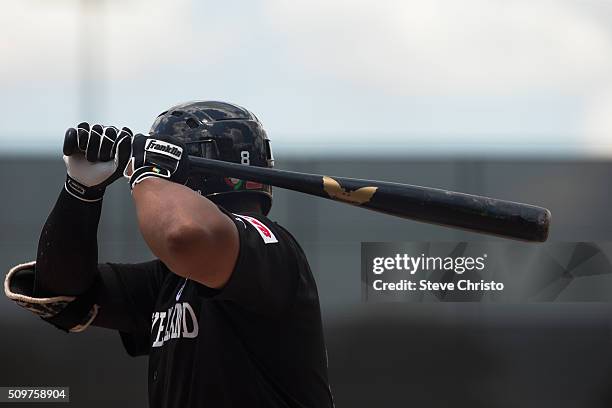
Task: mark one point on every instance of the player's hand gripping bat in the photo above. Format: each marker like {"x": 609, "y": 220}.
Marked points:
{"x": 475, "y": 213}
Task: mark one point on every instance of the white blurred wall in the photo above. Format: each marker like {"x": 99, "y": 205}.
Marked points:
{"x": 405, "y": 77}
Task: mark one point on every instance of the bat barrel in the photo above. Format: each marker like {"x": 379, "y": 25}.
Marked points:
{"x": 470, "y": 212}
{"x": 465, "y": 211}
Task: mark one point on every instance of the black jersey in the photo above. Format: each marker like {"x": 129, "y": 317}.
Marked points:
{"x": 258, "y": 342}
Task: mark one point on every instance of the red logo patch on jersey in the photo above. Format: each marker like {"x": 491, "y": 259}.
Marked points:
{"x": 262, "y": 229}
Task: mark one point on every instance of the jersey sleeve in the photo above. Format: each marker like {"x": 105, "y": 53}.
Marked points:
{"x": 264, "y": 279}
{"x": 128, "y": 293}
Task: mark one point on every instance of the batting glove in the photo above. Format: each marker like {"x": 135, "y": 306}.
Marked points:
{"x": 95, "y": 156}
{"x": 158, "y": 156}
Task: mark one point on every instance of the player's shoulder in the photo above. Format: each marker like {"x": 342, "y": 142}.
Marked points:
{"x": 263, "y": 234}
{"x": 269, "y": 231}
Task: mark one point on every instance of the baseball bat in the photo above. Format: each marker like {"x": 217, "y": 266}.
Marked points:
{"x": 448, "y": 208}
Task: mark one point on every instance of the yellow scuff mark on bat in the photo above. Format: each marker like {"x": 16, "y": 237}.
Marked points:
{"x": 335, "y": 191}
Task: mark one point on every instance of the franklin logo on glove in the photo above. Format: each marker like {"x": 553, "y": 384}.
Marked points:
{"x": 158, "y": 156}
{"x": 158, "y": 146}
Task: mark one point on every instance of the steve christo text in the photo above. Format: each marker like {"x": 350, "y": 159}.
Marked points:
{"x": 414, "y": 264}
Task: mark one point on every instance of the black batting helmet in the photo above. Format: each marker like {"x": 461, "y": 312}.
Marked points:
{"x": 222, "y": 131}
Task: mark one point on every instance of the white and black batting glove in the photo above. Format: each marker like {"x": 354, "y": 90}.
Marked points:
{"x": 95, "y": 156}
{"x": 158, "y": 156}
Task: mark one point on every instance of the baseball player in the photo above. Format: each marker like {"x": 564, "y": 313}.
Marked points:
{"x": 228, "y": 313}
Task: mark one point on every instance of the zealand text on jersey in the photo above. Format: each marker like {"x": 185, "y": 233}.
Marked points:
{"x": 179, "y": 321}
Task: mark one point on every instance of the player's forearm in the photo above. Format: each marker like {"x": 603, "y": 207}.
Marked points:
{"x": 67, "y": 256}
{"x": 95, "y": 157}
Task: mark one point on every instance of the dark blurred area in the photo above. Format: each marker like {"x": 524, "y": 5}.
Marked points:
{"x": 384, "y": 355}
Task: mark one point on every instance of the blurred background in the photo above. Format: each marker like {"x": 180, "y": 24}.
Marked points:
{"x": 511, "y": 99}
